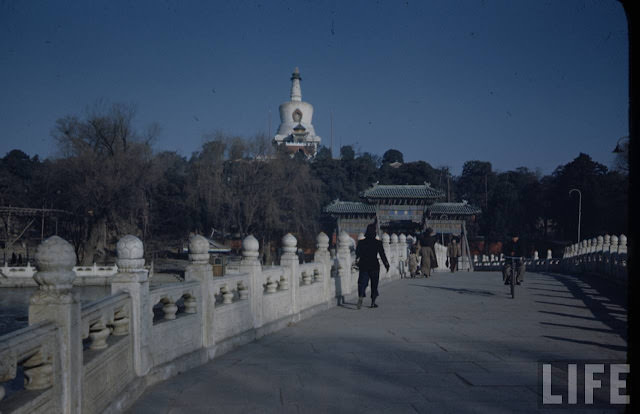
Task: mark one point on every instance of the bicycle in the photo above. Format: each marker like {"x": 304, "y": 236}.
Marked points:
{"x": 511, "y": 274}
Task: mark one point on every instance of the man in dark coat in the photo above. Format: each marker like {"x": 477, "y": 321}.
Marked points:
{"x": 367, "y": 261}
{"x": 513, "y": 248}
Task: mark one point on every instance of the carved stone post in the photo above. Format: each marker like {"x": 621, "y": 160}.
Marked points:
{"x": 323, "y": 256}
{"x": 394, "y": 260}
{"x": 344, "y": 266}
{"x": 386, "y": 245}
{"x": 290, "y": 262}
{"x": 613, "y": 249}
{"x": 621, "y": 268}
{"x": 200, "y": 270}
{"x": 251, "y": 265}
{"x": 622, "y": 247}
{"x": 402, "y": 249}
{"x": 613, "y": 252}
{"x": 133, "y": 278}
{"x": 54, "y": 301}
{"x": 403, "y": 246}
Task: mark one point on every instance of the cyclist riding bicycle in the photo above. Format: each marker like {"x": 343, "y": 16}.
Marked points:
{"x": 513, "y": 248}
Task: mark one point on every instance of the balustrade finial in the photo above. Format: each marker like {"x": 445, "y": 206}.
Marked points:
{"x": 344, "y": 240}
{"x": 130, "y": 253}
{"x": 55, "y": 258}
{"x": 250, "y": 247}
{"x": 322, "y": 241}
{"x": 198, "y": 249}
{"x": 289, "y": 243}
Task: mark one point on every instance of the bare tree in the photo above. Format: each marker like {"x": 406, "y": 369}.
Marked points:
{"x": 106, "y": 165}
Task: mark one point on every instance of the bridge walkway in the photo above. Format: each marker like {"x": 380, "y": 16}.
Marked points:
{"x": 451, "y": 343}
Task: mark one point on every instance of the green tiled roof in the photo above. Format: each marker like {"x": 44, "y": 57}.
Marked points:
{"x": 402, "y": 191}
{"x": 453, "y": 208}
{"x": 350, "y": 207}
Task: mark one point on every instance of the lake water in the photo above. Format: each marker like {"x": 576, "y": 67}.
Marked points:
{"x": 14, "y": 304}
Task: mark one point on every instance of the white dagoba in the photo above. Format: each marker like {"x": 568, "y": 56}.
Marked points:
{"x": 296, "y": 131}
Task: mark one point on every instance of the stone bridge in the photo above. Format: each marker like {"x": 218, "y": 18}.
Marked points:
{"x": 272, "y": 340}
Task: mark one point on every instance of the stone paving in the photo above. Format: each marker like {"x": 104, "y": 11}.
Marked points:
{"x": 451, "y": 343}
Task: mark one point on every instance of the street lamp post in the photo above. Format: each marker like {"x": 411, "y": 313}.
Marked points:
{"x": 579, "y": 208}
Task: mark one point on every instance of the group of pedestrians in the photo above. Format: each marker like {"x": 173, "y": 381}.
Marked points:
{"x": 422, "y": 253}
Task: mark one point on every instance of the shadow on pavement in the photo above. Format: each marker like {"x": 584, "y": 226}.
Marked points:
{"x": 597, "y": 295}
{"x": 568, "y": 315}
{"x": 461, "y": 291}
{"x": 622, "y": 348}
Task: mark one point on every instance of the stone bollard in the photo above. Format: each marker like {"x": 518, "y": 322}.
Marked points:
{"x": 622, "y": 246}
{"x": 133, "y": 278}
{"x": 54, "y": 302}
{"x": 200, "y": 270}
{"x": 251, "y": 265}
{"x": 599, "y": 243}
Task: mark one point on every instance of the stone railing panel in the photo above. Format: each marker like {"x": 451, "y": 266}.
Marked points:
{"x": 233, "y": 318}
{"x": 32, "y": 350}
{"x": 108, "y": 355}
{"x": 278, "y": 289}
{"x": 312, "y": 287}
{"x": 179, "y": 330}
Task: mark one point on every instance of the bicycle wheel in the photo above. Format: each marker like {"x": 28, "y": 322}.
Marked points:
{"x": 513, "y": 283}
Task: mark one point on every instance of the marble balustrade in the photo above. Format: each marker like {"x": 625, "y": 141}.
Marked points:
{"x": 605, "y": 256}
{"x": 100, "y": 357}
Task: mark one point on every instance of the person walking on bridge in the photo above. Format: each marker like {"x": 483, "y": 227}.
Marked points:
{"x": 427, "y": 253}
{"x": 367, "y": 253}
{"x": 453, "y": 252}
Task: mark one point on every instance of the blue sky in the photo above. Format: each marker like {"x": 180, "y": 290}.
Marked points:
{"x": 515, "y": 82}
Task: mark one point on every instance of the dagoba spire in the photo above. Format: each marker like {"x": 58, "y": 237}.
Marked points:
{"x": 296, "y": 92}
{"x": 296, "y": 132}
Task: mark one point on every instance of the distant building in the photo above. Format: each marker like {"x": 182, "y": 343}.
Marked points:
{"x": 296, "y": 132}
{"x": 404, "y": 209}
